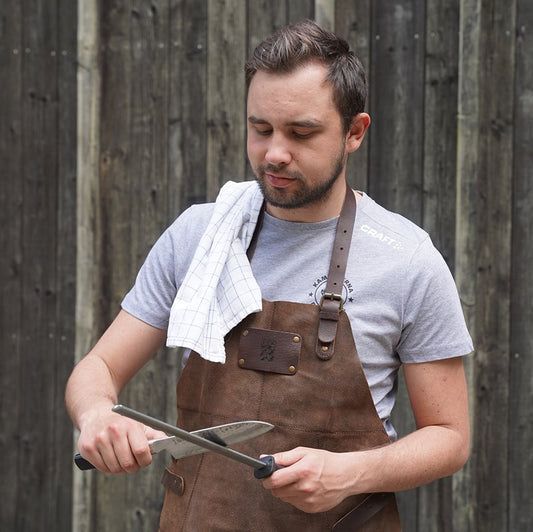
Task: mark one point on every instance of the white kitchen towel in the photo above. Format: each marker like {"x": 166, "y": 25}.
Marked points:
{"x": 219, "y": 289}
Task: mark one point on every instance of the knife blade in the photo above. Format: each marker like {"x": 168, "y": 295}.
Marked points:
{"x": 220, "y": 435}
{"x": 224, "y": 435}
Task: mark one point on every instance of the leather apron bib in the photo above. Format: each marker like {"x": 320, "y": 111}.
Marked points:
{"x": 295, "y": 366}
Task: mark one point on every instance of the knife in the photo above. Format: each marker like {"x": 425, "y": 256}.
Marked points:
{"x": 225, "y": 435}
{"x": 215, "y": 439}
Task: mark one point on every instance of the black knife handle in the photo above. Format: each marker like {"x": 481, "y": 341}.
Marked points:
{"x": 82, "y": 464}
{"x": 269, "y": 467}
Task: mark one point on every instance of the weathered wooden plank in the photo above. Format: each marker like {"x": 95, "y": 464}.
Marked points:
{"x": 187, "y": 109}
{"x": 178, "y": 75}
{"x": 149, "y": 128}
{"x": 63, "y": 354}
{"x": 263, "y": 19}
{"x": 36, "y": 500}
{"x": 493, "y": 261}
{"x": 116, "y": 150}
{"x": 88, "y": 222}
{"x": 438, "y": 215}
{"x": 397, "y": 106}
{"x": 440, "y": 124}
{"x": 299, "y": 10}
{"x": 485, "y": 166}
{"x": 353, "y": 22}
{"x": 109, "y": 491}
{"x": 226, "y": 118}
{"x": 11, "y": 201}
{"x": 464, "y": 487}
{"x": 325, "y": 13}
{"x": 521, "y": 383}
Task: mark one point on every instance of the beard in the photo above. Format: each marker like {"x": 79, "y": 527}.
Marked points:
{"x": 306, "y": 194}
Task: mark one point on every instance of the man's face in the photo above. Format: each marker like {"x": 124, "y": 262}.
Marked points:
{"x": 296, "y": 144}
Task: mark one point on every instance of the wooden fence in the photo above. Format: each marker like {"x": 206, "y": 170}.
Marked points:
{"x": 115, "y": 116}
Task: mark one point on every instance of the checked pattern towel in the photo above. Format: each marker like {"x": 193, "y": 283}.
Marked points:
{"x": 219, "y": 289}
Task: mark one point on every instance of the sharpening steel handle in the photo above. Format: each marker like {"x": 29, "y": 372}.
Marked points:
{"x": 269, "y": 467}
{"x": 82, "y": 464}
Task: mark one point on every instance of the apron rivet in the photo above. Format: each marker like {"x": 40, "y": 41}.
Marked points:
{"x": 241, "y": 361}
{"x": 292, "y": 369}
{"x": 296, "y": 339}
{"x": 245, "y": 333}
{"x": 325, "y": 348}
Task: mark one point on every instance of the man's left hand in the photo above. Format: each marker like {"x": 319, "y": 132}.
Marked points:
{"x": 312, "y": 480}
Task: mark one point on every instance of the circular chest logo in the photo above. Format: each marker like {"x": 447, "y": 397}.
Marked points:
{"x": 319, "y": 287}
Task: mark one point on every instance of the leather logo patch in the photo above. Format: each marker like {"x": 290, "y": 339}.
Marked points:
{"x": 270, "y": 351}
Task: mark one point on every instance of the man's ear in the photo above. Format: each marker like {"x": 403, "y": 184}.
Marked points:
{"x": 356, "y": 133}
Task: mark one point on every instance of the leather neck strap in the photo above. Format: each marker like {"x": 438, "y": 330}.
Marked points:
{"x": 331, "y": 304}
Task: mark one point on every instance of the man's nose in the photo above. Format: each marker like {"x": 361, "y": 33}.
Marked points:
{"x": 278, "y": 152}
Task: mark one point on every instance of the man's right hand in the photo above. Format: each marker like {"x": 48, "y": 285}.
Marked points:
{"x": 114, "y": 443}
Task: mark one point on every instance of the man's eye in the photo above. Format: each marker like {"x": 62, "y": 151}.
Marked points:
{"x": 263, "y": 132}
{"x": 300, "y": 135}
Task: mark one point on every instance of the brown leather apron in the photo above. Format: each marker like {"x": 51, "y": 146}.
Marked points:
{"x": 295, "y": 366}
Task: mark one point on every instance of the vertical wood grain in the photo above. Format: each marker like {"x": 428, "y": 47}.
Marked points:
{"x": 325, "y": 13}
{"x": 37, "y": 149}
{"x": 435, "y": 501}
{"x": 11, "y": 258}
{"x": 111, "y": 505}
{"x": 60, "y": 514}
{"x": 493, "y": 255}
{"x": 397, "y": 106}
{"x": 298, "y": 10}
{"x": 88, "y": 225}
{"x": 440, "y": 124}
{"x": 187, "y": 104}
{"x": 353, "y": 22}
{"x": 464, "y": 487}
{"x": 226, "y": 119}
{"x": 521, "y": 350}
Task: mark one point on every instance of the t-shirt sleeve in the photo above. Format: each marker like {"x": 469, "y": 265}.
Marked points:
{"x": 160, "y": 276}
{"x": 154, "y": 290}
{"x": 433, "y": 325}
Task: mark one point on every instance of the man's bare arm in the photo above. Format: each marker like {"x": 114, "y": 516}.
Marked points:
{"x": 109, "y": 441}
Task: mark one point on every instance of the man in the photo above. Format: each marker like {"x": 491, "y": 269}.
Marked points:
{"x": 332, "y": 266}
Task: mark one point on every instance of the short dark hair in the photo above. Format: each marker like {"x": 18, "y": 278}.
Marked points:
{"x": 303, "y": 42}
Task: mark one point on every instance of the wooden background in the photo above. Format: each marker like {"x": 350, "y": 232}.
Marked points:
{"x": 115, "y": 116}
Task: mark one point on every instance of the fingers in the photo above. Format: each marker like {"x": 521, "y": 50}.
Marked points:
{"x": 153, "y": 434}
{"x": 288, "y": 475}
{"x": 116, "y": 447}
{"x": 132, "y": 451}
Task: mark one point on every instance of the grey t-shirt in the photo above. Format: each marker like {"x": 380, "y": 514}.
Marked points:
{"x": 399, "y": 294}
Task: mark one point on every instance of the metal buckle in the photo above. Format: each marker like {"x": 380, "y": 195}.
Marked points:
{"x": 332, "y": 297}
